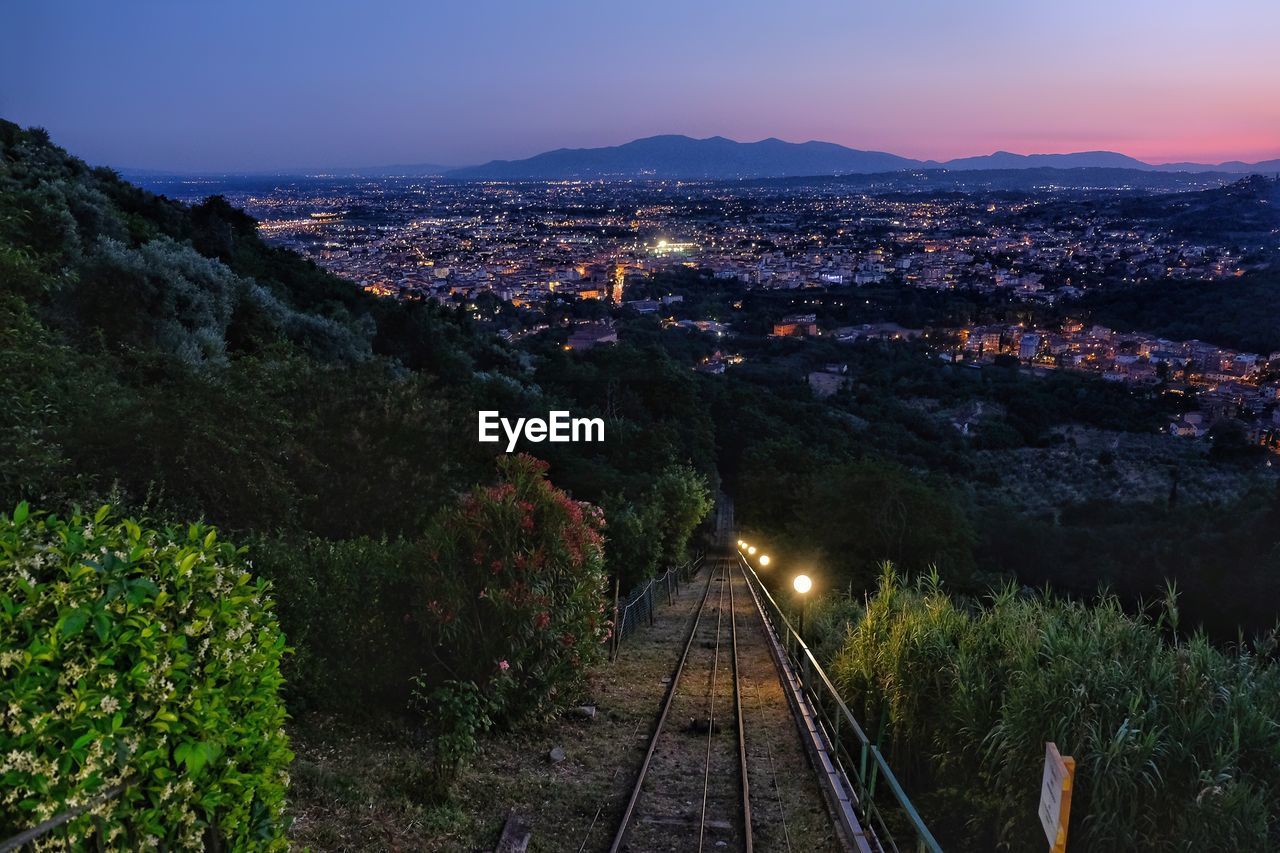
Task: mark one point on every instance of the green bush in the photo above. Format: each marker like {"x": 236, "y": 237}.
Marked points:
{"x": 1176, "y": 741}
{"x": 457, "y": 715}
{"x": 145, "y": 656}
{"x": 827, "y": 621}
{"x": 348, "y": 610}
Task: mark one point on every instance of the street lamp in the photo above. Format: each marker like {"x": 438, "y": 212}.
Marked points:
{"x": 764, "y": 560}
{"x": 751, "y": 549}
{"x": 802, "y": 584}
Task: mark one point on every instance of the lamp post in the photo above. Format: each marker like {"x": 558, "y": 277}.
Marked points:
{"x": 764, "y": 560}
{"x": 802, "y": 584}
{"x": 751, "y": 549}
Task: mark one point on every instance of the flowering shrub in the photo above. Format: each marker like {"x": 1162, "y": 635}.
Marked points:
{"x": 515, "y": 605}
{"x": 138, "y": 656}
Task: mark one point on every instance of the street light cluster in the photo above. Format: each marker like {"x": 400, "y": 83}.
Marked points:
{"x": 801, "y": 583}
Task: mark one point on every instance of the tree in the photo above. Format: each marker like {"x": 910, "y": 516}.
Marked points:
{"x": 632, "y": 546}
{"x": 683, "y": 500}
{"x": 866, "y": 512}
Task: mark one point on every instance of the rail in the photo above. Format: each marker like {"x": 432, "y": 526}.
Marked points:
{"x": 858, "y": 760}
{"x": 630, "y": 813}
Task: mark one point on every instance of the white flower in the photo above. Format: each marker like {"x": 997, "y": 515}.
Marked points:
{"x": 110, "y": 704}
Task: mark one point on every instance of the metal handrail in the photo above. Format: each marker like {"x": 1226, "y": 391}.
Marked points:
{"x": 870, "y": 767}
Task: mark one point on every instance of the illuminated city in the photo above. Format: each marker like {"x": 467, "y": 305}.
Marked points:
{"x": 594, "y": 427}
{"x": 526, "y": 245}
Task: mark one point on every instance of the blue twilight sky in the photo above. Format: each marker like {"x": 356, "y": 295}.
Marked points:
{"x": 278, "y": 84}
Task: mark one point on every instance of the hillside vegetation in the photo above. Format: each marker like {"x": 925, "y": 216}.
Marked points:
{"x": 162, "y": 359}
{"x": 1243, "y": 314}
{"x": 1176, "y": 742}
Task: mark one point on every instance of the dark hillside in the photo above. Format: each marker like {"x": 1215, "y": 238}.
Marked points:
{"x": 164, "y": 358}
{"x": 1244, "y": 313}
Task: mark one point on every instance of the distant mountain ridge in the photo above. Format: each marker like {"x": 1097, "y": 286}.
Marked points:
{"x": 717, "y": 158}
{"x": 675, "y": 156}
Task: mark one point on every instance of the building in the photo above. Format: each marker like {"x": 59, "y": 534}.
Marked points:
{"x": 796, "y": 326}
{"x": 588, "y": 336}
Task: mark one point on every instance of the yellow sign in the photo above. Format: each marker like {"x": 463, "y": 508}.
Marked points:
{"x": 1055, "y": 796}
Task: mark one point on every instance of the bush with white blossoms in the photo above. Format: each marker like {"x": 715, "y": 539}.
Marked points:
{"x": 148, "y": 657}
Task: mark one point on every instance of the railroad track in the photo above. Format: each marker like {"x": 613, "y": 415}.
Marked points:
{"x": 692, "y": 792}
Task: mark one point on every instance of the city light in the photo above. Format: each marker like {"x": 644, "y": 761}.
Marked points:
{"x": 802, "y": 584}
{"x": 764, "y": 559}
{"x": 751, "y": 549}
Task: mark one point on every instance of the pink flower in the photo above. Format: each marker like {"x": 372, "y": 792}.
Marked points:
{"x": 503, "y": 665}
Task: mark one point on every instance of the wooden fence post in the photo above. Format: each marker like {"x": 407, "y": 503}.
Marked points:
{"x": 617, "y": 626}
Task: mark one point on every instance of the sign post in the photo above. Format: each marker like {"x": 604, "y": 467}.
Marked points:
{"x": 1055, "y": 796}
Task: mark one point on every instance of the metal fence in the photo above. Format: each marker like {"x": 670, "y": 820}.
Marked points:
{"x": 639, "y": 607}
{"x": 43, "y": 832}
{"x": 35, "y": 833}
{"x": 876, "y": 792}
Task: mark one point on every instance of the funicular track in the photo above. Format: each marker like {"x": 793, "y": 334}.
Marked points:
{"x": 692, "y": 791}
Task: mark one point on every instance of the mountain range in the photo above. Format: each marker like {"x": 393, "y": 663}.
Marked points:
{"x": 717, "y": 158}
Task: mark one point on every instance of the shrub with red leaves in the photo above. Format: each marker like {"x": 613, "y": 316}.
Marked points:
{"x": 515, "y": 604}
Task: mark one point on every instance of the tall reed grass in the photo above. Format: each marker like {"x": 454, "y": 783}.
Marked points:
{"x": 1176, "y": 740}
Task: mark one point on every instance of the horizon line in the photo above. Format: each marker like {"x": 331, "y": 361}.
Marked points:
{"x": 446, "y": 167}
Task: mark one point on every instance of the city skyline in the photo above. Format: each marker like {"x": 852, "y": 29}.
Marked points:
{"x": 236, "y": 88}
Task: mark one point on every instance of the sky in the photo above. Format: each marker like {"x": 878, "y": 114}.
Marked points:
{"x": 284, "y": 84}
